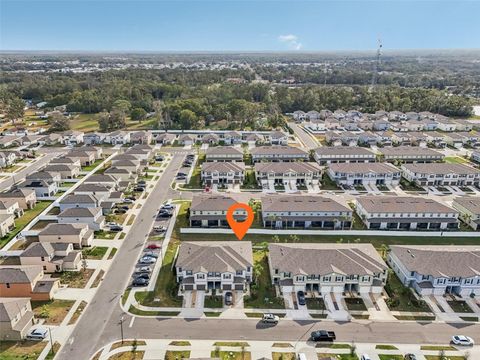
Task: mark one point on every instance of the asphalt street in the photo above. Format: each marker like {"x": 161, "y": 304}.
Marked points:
{"x": 305, "y": 137}
{"x": 20, "y": 176}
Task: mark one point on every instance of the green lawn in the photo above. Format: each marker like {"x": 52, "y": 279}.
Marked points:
{"x": 386, "y": 347}
{"x": 214, "y": 301}
{"x": 93, "y": 166}
{"x": 455, "y": 160}
{"x": 85, "y": 122}
{"x": 106, "y": 235}
{"x": 460, "y": 306}
{"x": 315, "y": 304}
{"x": 22, "y": 222}
{"x": 250, "y": 181}
{"x": 195, "y": 180}
{"x": 53, "y": 311}
{"x": 21, "y": 350}
{"x": 328, "y": 184}
{"x": 390, "y": 357}
{"x": 95, "y": 253}
{"x": 355, "y": 304}
{"x": 262, "y": 292}
{"x": 401, "y": 297}
{"x": 176, "y": 355}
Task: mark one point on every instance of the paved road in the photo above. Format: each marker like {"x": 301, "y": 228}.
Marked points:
{"x": 99, "y": 325}
{"x": 104, "y": 311}
{"x": 20, "y": 176}
{"x": 306, "y": 138}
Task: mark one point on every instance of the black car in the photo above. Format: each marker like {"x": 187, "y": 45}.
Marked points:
{"x": 141, "y": 182}
{"x": 138, "y": 188}
{"x": 142, "y": 275}
{"x": 124, "y": 207}
{"x": 159, "y": 158}
{"x": 138, "y": 281}
{"x": 120, "y": 211}
{"x": 181, "y": 174}
{"x": 116, "y": 228}
{"x": 131, "y": 198}
{"x": 410, "y": 357}
{"x": 164, "y": 214}
{"x": 301, "y": 298}
{"x": 228, "y": 298}
{"x": 323, "y": 335}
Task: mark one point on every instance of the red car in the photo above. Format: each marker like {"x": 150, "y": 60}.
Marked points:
{"x": 153, "y": 246}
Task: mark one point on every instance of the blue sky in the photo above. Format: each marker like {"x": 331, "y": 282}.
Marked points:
{"x": 237, "y": 25}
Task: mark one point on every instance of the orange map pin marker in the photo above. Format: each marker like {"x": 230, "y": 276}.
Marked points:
{"x": 240, "y": 228}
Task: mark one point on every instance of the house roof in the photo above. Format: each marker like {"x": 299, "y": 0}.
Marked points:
{"x": 37, "y": 249}
{"x": 10, "y": 307}
{"x": 7, "y": 203}
{"x": 100, "y": 178}
{"x": 344, "y": 150}
{"x": 115, "y": 170}
{"x": 64, "y": 160}
{"x": 323, "y": 259}
{"x": 17, "y": 193}
{"x": 284, "y": 167}
{"x": 402, "y": 204}
{"x": 441, "y": 168}
{"x": 92, "y": 188}
{"x": 215, "y": 256}
{"x": 275, "y": 134}
{"x": 440, "y": 260}
{"x": 211, "y": 202}
{"x": 470, "y": 203}
{"x": 58, "y": 167}
{"x": 63, "y": 229}
{"x": 129, "y": 163}
{"x": 409, "y": 151}
{"x": 223, "y": 166}
{"x": 301, "y": 203}
{"x": 355, "y": 168}
{"x": 223, "y": 150}
{"x": 42, "y": 175}
{"x": 79, "y": 199}
{"x": 36, "y": 183}
{"x": 277, "y": 150}
{"x": 80, "y": 212}
{"x": 19, "y": 274}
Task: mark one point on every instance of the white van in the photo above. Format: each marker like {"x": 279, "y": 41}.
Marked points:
{"x": 301, "y": 356}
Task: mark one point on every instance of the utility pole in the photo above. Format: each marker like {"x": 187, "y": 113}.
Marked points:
{"x": 51, "y": 341}
{"x": 122, "y": 319}
{"x": 377, "y": 64}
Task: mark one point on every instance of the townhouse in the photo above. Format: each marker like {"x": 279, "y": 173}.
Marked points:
{"x": 327, "y": 268}
{"x": 165, "y": 138}
{"x": 278, "y": 153}
{"x": 211, "y": 139}
{"x": 16, "y": 318}
{"x": 72, "y": 138}
{"x": 222, "y": 173}
{"x": 443, "y": 174}
{"x": 293, "y": 211}
{"x": 26, "y": 198}
{"x": 437, "y": 269}
{"x": 436, "y": 139}
{"x": 78, "y": 201}
{"x": 52, "y": 257}
{"x": 222, "y": 265}
{"x": 42, "y": 188}
{"x": 296, "y": 173}
{"x": 224, "y": 153}
{"x": 475, "y": 156}
{"x": 77, "y": 234}
{"x": 409, "y": 154}
{"x": 405, "y": 213}
{"x": 208, "y": 210}
{"x": 469, "y": 209}
{"x": 26, "y": 281}
{"x": 446, "y": 125}
{"x": 343, "y": 154}
{"x": 232, "y": 138}
{"x": 316, "y": 125}
{"x": 364, "y": 174}
{"x": 91, "y": 216}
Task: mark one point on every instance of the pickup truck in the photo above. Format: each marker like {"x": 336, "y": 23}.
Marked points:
{"x": 323, "y": 335}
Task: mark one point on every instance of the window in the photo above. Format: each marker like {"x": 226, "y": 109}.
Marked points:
{"x": 189, "y": 272}
{"x": 43, "y": 259}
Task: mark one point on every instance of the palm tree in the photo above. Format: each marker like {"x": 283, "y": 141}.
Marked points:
{"x": 257, "y": 271}
{"x": 384, "y": 251}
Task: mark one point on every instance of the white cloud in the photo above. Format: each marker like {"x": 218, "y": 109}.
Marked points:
{"x": 291, "y": 40}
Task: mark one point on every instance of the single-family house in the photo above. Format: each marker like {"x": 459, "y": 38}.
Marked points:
{"x": 26, "y": 198}
{"x": 52, "y": 257}
{"x": 26, "y": 281}
{"x": 72, "y": 137}
{"x": 91, "y": 216}
{"x": 43, "y": 188}
{"x": 77, "y": 234}
{"x": 16, "y": 318}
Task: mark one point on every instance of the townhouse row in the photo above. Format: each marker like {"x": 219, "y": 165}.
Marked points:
{"x": 318, "y": 212}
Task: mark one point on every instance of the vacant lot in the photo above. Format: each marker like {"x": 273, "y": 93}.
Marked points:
{"x": 53, "y": 311}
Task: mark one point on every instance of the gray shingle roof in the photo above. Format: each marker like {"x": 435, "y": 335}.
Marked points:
{"x": 470, "y": 203}
{"x": 63, "y": 229}
{"x": 10, "y": 307}
{"x": 223, "y": 166}
{"x": 80, "y": 212}
{"x": 301, "y": 203}
{"x": 79, "y": 199}
{"x": 344, "y": 150}
{"x": 277, "y": 150}
{"x": 223, "y": 150}
{"x": 19, "y": 274}
{"x": 323, "y": 259}
{"x": 441, "y": 168}
{"x": 284, "y": 167}
{"x": 215, "y": 256}
{"x": 363, "y": 168}
{"x": 402, "y": 204}
{"x": 440, "y": 260}
{"x": 37, "y": 249}
{"x": 211, "y": 202}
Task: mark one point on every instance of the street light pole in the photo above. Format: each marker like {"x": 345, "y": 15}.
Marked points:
{"x": 51, "y": 341}
{"x": 122, "y": 319}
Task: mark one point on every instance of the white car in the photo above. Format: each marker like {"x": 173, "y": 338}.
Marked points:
{"x": 167, "y": 206}
{"x": 147, "y": 260}
{"x": 38, "y": 333}
{"x": 159, "y": 228}
{"x": 365, "y": 357}
{"x": 128, "y": 201}
{"x": 270, "y": 318}
{"x": 462, "y": 340}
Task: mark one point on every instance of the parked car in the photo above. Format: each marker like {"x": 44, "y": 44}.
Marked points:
{"x": 228, "y": 298}
{"x": 140, "y": 282}
{"x": 164, "y": 215}
{"x": 301, "y": 298}
{"x": 323, "y": 335}
{"x": 181, "y": 177}
{"x": 462, "y": 340}
{"x": 112, "y": 224}
{"x": 181, "y": 174}
{"x": 143, "y": 275}
{"x": 141, "y": 182}
{"x": 159, "y": 228}
{"x": 38, "y": 334}
{"x": 116, "y": 228}
{"x": 365, "y": 357}
{"x": 143, "y": 269}
{"x": 410, "y": 357}
{"x": 147, "y": 260}
{"x": 270, "y": 318}
{"x": 120, "y": 211}
{"x": 149, "y": 253}
{"x": 124, "y": 207}
{"x": 167, "y": 206}
{"x": 128, "y": 201}
{"x": 159, "y": 158}
{"x": 153, "y": 246}
{"x": 138, "y": 189}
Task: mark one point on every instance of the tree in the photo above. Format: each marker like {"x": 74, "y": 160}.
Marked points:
{"x": 14, "y": 109}
{"x": 188, "y": 119}
{"x": 257, "y": 271}
{"x": 138, "y": 114}
{"x": 122, "y": 105}
{"x": 58, "y": 122}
